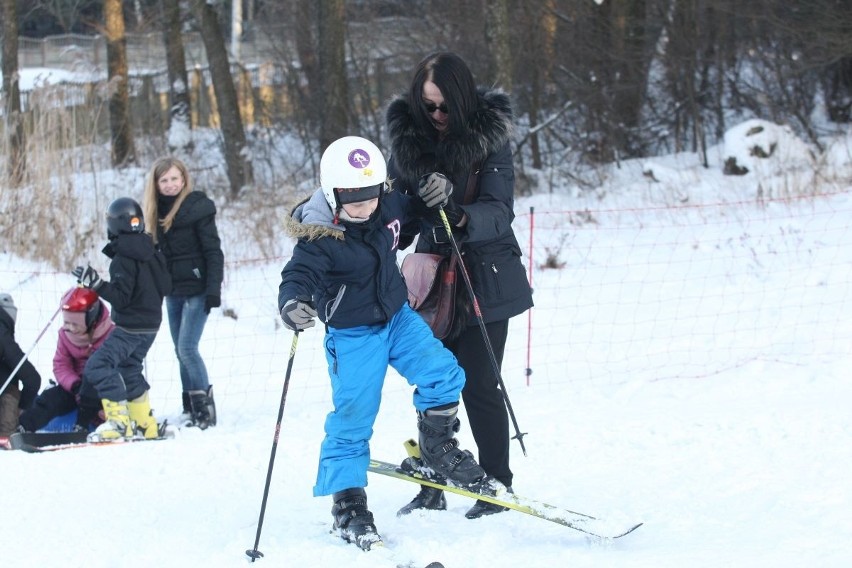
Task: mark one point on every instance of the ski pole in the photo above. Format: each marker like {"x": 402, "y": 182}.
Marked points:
{"x": 466, "y": 277}
{"x": 254, "y": 553}
{"x": 27, "y": 354}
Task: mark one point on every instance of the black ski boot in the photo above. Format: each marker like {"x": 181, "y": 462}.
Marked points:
{"x": 428, "y": 498}
{"x": 200, "y": 410}
{"x": 484, "y": 508}
{"x": 352, "y": 520}
{"x": 439, "y": 449}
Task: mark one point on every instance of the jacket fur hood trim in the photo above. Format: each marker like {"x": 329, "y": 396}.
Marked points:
{"x": 312, "y": 219}
{"x": 490, "y": 127}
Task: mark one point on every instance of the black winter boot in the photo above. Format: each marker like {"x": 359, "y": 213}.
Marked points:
{"x": 428, "y": 498}
{"x": 484, "y": 508}
{"x": 439, "y": 449}
{"x": 187, "y": 405}
{"x": 87, "y": 414}
{"x": 211, "y": 406}
{"x": 352, "y": 520}
{"x": 200, "y": 410}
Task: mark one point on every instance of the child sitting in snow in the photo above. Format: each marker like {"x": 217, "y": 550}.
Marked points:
{"x": 85, "y": 326}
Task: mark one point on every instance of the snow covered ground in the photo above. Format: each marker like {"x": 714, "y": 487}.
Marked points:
{"x": 690, "y": 371}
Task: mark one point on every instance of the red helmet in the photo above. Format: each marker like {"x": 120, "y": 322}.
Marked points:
{"x": 81, "y": 299}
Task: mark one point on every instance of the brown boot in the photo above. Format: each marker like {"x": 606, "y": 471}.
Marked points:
{"x": 9, "y": 411}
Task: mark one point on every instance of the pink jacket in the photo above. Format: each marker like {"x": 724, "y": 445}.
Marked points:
{"x": 73, "y": 350}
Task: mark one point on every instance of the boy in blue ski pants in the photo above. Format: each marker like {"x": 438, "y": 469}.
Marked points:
{"x": 344, "y": 270}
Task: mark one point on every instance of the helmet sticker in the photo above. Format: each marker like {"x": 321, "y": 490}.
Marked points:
{"x": 359, "y": 159}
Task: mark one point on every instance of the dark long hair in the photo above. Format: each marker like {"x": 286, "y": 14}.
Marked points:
{"x": 451, "y": 74}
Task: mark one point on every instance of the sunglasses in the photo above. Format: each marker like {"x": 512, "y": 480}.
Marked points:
{"x": 432, "y": 107}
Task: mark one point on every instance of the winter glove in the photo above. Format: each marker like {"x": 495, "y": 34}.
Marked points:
{"x": 434, "y": 189}
{"x": 211, "y": 302}
{"x": 298, "y": 314}
{"x": 88, "y": 277}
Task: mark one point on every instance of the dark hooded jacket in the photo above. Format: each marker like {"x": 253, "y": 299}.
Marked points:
{"x": 10, "y": 355}
{"x": 348, "y": 269}
{"x": 488, "y": 244}
{"x": 138, "y": 282}
{"x": 192, "y": 248}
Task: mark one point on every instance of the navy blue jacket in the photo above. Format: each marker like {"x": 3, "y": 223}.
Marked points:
{"x": 359, "y": 256}
{"x": 138, "y": 282}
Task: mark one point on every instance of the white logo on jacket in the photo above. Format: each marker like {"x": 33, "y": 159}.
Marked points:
{"x": 395, "y": 228}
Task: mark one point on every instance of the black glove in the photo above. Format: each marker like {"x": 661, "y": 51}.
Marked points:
{"x": 88, "y": 277}
{"x": 298, "y": 314}
{"x": 434, "y": 189}
{"x": 211, "y": 302}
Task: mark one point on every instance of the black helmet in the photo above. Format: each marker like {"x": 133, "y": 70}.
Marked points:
{"x": 124, "y": 215}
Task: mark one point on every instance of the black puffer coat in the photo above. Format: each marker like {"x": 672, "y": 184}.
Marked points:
{"x": 10, "y": 355}
{"x": 192, "y": 248}
{"x": 138, "y": 282}
{"x": 491, "y": 251}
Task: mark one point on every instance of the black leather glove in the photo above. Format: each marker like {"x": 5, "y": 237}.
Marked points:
{"x": 211, "y": 302}
{"x": 88, "y": 277}
{"x": 298, "y": 314}
{"x": 434, "y": 189}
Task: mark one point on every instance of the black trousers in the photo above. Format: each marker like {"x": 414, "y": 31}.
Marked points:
{"x": 51, "y": 403}
{"x": 483, "y": 399}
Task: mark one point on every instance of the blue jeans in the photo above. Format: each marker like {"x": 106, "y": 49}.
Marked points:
{"x": 187, "y": 319}
{"x": 114, "y": 371}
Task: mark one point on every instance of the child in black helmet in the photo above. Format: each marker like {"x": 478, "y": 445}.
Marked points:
{"x": 85, "y": 326}
{"x": 138, "y": 282}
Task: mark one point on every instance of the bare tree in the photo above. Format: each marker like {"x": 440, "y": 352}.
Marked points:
{"x": 334, "y": 121}
{"x": 16, "y": 160}
{"x": 233, "y": 134}
{"x": 497, "y": 38}
{"x": 121, "y": 133}
{"x": 180, "y": 111}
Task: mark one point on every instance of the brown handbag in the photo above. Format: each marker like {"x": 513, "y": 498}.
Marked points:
{"x": 431, "y": 279}
{"x": 431, "y": 282}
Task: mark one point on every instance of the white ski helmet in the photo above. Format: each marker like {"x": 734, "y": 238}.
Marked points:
{"x": 352, "y": 163}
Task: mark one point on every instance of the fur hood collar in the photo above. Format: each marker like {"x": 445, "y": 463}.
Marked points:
{"x": 312, "y": 219}
{"x": 416, "y": 153}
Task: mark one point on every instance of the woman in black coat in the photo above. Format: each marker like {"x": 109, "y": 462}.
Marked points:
{"x": 183, "y": 224}
{"x": 444, "y": 124}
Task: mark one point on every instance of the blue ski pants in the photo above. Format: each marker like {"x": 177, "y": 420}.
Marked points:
{"x": 358, "y": 359}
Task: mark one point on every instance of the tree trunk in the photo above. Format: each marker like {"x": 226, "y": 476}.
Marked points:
{"x": 16, "y": 161}
{"x": 119, "y": 99}
{"x": 497, "y": 38}
{"x": 334, "y": 94}
{"x": 180, "y": 126}
{"x": 233, "y": 134}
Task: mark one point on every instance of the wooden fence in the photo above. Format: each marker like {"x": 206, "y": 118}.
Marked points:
{"x": 261, "y": 91}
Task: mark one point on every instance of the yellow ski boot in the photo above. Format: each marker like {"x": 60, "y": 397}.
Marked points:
{"x": 117, "y": 424}
{"x": 143, "y": 417}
